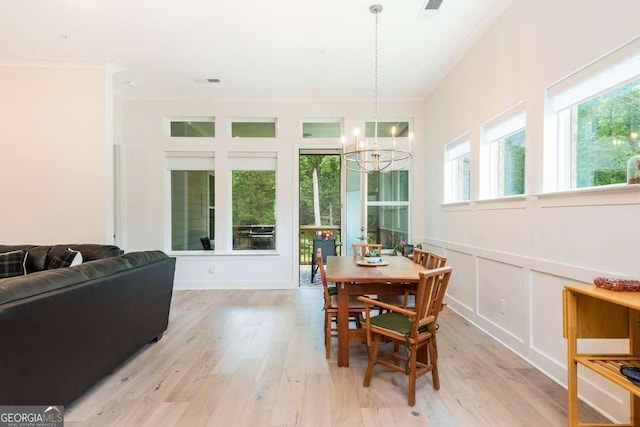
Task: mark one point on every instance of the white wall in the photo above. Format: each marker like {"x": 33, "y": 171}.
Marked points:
{"x": 55, "y": 157}
{"x": 145, "y": 221}
{"x": 524, "y": 251}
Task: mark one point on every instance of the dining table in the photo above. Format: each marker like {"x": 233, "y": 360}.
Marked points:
{"x": 355, "y": 276}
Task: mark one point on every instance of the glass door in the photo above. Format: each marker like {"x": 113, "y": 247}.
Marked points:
{"x": 320, "y": 213}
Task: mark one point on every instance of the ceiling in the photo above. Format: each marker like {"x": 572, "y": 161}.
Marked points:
{"x": 260, "y": 50}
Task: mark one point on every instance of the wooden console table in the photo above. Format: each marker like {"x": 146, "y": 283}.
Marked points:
{"x": 592, "y": 312}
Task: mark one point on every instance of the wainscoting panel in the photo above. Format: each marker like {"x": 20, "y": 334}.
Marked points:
{"x": 546, "y": 291}
{"x": 462, "y": 285}
{"x": 501, "y": 295}
{"x": 531, "y": 325}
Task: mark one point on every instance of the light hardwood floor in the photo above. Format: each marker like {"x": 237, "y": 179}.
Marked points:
{"x": 256, "y": 358}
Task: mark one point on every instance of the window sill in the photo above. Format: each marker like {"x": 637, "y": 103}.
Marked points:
{"x": 615, "y": 188}
{"x": 617, "y": 194}
{"x": 218, "y": 254}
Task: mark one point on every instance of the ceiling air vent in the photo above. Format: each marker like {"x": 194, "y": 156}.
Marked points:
{"x": 207, "y": 80}
{"x": 433, "y": 5}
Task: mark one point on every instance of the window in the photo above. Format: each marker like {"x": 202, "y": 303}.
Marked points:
{"x": 192, "y": 196}
{"x": 253, "y": 128}
{"x": 594, "y": 116}
{"x": 388, "y": 207}
{"x": 384, "y": 129}
{"x": 204, "y": 127}
{"x": 322, "y": 129}
{"x": 457, "y": 176}
{"x": 502, "y": 155}
{"x": 253, "y": 201}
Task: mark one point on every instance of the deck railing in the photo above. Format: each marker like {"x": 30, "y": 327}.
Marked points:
{"x": 309, "y": 232}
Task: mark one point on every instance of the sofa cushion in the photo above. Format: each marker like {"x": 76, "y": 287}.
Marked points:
{"x": 145, "y": 257}
{"x": 61, "y": 260}
{"x": 36, "y": 259}
{"x": 90, "y": 252}
{"x": 105, "y": 267}
{"x": 15, "y": 288}
{"x": 13, "y": 264}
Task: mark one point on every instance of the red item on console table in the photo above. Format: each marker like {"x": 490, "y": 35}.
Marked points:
{"x": 620, "y": 285}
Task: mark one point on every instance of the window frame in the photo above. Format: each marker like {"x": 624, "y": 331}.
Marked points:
{"x": 493, "y": 135}
{"x": 198, "y": 119}
{"x": 273, "y": 120}
{"x": 201, "y": 161}
{"x": 392, "y": 203}
{"x": 455, "y": 153}
{"x": 338, "y": 121}
{"x": 251, "y": 161}
{"x": 605, "y": 74}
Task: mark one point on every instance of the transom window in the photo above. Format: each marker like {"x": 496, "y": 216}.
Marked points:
{"x": 194, "y": 127}
{"x": 253, "y": 128}
{"x": 384, "y": 129}
{"x": 324, "y": 128}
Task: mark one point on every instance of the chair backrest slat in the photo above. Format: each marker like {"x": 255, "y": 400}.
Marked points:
{"x": 323, "y": 275}
{"x": 434, "y": 261}
{"x": 420, "y": 256}
{"x": 361, "y": 249}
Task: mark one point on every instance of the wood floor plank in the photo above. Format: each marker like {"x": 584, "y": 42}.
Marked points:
{"x": 256, "y": 358}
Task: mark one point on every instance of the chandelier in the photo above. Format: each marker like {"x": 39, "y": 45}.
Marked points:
{"x": 377, "y": 155}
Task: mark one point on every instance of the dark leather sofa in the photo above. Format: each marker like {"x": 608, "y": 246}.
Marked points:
{"x": 63, "y": 330}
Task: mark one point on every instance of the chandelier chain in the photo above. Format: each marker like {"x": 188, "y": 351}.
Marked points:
{"x": 376, "y": 76}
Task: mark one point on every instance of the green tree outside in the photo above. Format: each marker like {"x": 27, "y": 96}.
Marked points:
{"x": 607, "y": 135}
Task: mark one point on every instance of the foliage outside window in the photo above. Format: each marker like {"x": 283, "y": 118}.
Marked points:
{"x": 327, "y": 167}
{"x": 253, "y": 203}
{"x": 388, "y": 207}
{"x": 202, "y": 128}
{"x": 602, "y": 133}
{"x": 457, "y": 176}
{"x": 192, "y": 208}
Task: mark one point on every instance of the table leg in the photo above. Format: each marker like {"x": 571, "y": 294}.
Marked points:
{"x": 343, "y": 324}
{"x": 570, "y": 321}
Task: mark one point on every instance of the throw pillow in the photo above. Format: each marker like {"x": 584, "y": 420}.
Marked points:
{"x": 61, "y": 260}
{"x": 77, "y": 259}
{"x": 13, "y": 264}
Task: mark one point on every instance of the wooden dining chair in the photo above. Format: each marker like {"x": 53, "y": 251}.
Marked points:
{"x": 420, "y": 256}
{"x": 411, "y": 329}
{"x": 434, "y": 260}
{"x": 361, "y": 249}
{"x": 430, "y": 261}
{"x": 330, "y": 293}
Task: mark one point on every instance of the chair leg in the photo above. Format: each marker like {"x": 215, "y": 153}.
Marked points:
{"x": 358, "y": 318}
{"x": 433, "y": 355}
{"x": 327, "y": 334}
{"x": 412, "y": 376}
{"x": 373, "y": 352}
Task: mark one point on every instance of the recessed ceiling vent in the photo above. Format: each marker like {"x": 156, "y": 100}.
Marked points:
{"x": 433, "y": 5}
{"x": 207, "y": 80}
